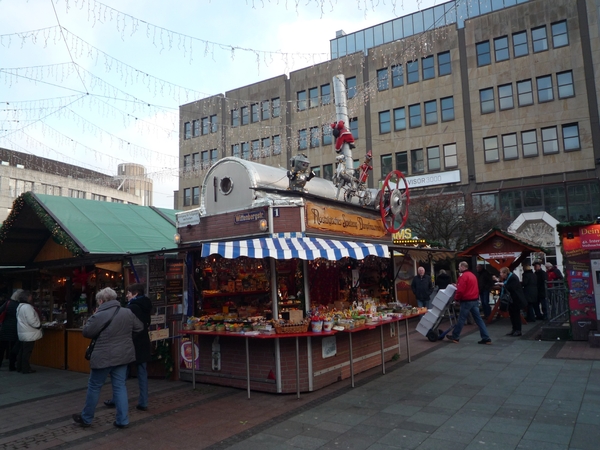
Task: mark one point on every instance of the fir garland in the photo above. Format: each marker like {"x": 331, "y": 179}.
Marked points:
{"x": 58, "y": 234}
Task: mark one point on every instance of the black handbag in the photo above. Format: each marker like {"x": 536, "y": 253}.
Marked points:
{"x": 90, "y": 348}
{"x": 505, "y": 300}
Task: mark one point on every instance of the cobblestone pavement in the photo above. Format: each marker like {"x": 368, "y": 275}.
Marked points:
{"x": 517, "y": 393}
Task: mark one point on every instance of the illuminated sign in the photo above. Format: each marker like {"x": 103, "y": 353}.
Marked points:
{"x": 590, "y": 237}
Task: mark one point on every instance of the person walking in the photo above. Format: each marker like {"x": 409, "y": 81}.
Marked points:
{"x": 513, "y": 286}
{"x": 467, "y": 294}
{"x": 541, "y": 309}
{"x": 422, "y": 287}
{"x": 113, "y": 328}
{"x": 29, "y": 330}
{"x": 9, "y": 338}
{"x": 141, "y": 306}
{"x": 529, "y": 284}
{"x": 485, "y": 284}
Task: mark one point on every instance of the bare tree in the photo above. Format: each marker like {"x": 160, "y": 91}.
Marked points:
{"x": 451, "y": 221}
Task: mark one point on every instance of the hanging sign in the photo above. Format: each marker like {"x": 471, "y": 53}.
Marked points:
{"x": 590, "y": 237}
{"x": 331, "y": 219}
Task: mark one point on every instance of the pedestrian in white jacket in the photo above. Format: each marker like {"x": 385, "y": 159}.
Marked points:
{"x": 29, "y": 330}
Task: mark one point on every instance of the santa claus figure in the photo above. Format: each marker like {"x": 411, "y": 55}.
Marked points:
{"x": 342, "y": 136}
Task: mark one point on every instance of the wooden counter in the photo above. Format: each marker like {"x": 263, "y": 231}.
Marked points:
{"x": 50, "y": 351}
{"x": 76, "y": 346}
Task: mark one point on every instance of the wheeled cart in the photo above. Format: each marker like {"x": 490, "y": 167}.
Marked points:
{"x": 440, "y": 306}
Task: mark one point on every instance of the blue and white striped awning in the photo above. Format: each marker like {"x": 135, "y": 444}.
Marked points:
{"x": 301, "y": 247}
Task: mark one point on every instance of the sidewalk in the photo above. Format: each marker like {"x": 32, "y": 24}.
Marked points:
{"x": 516, "y": 393}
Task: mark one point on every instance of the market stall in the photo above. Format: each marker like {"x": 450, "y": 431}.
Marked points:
{"x": 265, "y": 255}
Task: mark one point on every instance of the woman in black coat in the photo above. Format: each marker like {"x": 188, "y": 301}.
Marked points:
{"x": 529, "y": 284}
{"x": 442, "y": 280}
{"x": 513, "y": 286}
{"x": 9, "y": 339}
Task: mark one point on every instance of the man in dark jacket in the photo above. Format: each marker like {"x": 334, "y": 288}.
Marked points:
{"x": 529, "y": 284}
{"x": 141, "y": 306}
{"x": 485, "y": 284}
{"x": 541, "y": 291}
{"x": 422, "y": 287}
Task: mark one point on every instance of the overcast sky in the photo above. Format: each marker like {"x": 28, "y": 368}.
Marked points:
{"x": 100, "y": 83}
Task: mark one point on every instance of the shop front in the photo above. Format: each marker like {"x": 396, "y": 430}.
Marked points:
{"x": 262, "y": 277}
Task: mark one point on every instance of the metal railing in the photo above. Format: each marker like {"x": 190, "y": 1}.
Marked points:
{"x": 558, "y": 302}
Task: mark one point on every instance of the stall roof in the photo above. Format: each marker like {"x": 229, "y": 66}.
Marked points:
{"x": 82, "y": 227}
{"x": 424, "y": 254}
{"x": 308, "y": 248}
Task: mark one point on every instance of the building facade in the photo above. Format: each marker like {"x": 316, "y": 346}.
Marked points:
{"x": 497, "y": 99}
{"x": 23, "y": 172}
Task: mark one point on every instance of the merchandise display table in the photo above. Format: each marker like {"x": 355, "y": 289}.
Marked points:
{"x": 247, "y": 337}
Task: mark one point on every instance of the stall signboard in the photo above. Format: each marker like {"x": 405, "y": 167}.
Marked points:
{"x": 325, "y": 218}
{"x": 590, "y": 237}
{"x": 185, "y": 361}
{"x": 578, "y": 274}
{"x": 156, "y": 280}
{"x": 174, "y": 281}
{"x": 159, "y": 335}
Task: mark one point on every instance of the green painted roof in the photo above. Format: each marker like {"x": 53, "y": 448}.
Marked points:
{"x": 111, "y": 228}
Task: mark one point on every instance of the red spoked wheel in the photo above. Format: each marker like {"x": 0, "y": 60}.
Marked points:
{"x": 394, "y": 201}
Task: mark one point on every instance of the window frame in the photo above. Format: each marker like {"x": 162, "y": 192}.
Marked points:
{"x": 520, "y": 45}
{"x": 187, "y": 130}
{"x": 195, "y": 195}
{"x": 444, "y": 64}
{"x": 254, "y": 113}
{"x": 444, "y": 109}
{"x": 383, "y": 79}
{"x": 265, "y": 110}
{"x": 397, "y": 119}
{"x": 499, "y": 50}
{"x": 448, "y": 156}
{"x": 487, "y": 150}
{"x": 539, "y": 39}
{"x": 559, "y": 85}
{"x": 327, "y": 135}
{"x": 491, "y": 101}
{"x": 302, "y": 139}
{"x": 545, "y": 89}
{"x": 398, "y": 164}
{"x": 313, "y": 97}
{"x": 386, "y": 162}
{"x": 512, "y": 146}
{"x": 431, "y": 159}
{"x": 411, "y": 115}
{"x": 326, "y": 96}
{"x": 385, "y": 125}
{"x": 397, "y": 78}
{"x": 502, "y": 96}
{"x": 554, "y": 139}
{"x": 526, "y": 145}
{"x": 205, "y": 126}
{"x": 314, "y": 137}
{"x": 564, "y": 138}
{"x": 301, "y": 101}
{"x": 523, "y": 94}
{"x": 555, "y": 35}
{"x": 351, "y": 87}
{"x": 412, "y": 69}
{"x": 275, "y": 107}
{"x": 481, "y": 52}
{"x": 214, "y": 123}
{"x": 414, "y": 161}
{"x": 187, "y": 197}
{"x": 244, "y": 116}
{"x": 235, "y": 118}
{"x": 428, "y": 72}
{"x": 430, "y": 113}
{"x": 195, "y": 128}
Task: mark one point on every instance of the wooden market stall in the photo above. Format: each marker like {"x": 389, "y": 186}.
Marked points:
{"x": 64, "y": 250}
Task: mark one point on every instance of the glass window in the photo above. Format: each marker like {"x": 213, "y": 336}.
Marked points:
{"x": 450, "y": 156}
{"x": 266, "y": 147}
{"x": 187, "y": 130}
{"x": 399, "y": 119}
{"x": 235, "y": 118}
{"x": 276, "y": 107}
{"x": 313, "y": 97}
{"x": 525, "y": 92}
{"x": 314, "y": 137}
{"x": 501, "y": 48}
{"x": 486, "y": 100}
{"x": 397, "y": 76}
{"x": 384, "y": 122}
{"x": 549, "y": 140}
{"x": 187, "y": 163}
{"x": 195, "y": 128}
{"x": 386, "y": 165}
{"x": 430, "y": 112}
{"x": 301, "y": 98}
{"x": 316, "y": 170}
{"x": 205, "y": 126}
{"x": 402, "y": 162}
{"x": 326, "y": 94}
{"x": 529, "y": 143}
{"x": 302, "y": 144}
{"x": 327, "y": 134}
{"x": 505, "y": 97}
{"x": 245, "y": 115}
{"x": 245, "y": 150}
{"x": 544, "y": 89}
{"x": 351, "y": 87}
{"x": 555, "y": 202}
{"x": 564, "y": 82}
{"x": 511, "y": 204}
{"x": 539, "y": 39}
{"x": 213, "y": 123}
{"x": 434, "y": 161}
{"x": 560, "y": 35}
{"x": 235, "y": 150}
{"x": 414, "y": 113}
{"x": 276, "y": 145}
{"x": 265, "y": 110}
{"x": 354, "y": 127}
{"x": 417, "y": 161}
{"x": 444, "y": 64}
{"x": 509, "y": 146}
{"x": 520, "y": 47}
{"x": 255, "y": 149}
{"x": 412, "y": 72}
{"x": 490, "y": 149}
{"x": 532, "y": 200}
{"x": 187, "y": 197}
{"x": 483, "y": 53}
{"x": 196, "y": 195}
{"x": 196, "y": 161}
{"x": 571, "y": 137}
{"x": 382, "y": 79}
{"x": 204, "y": 158}
{"x": 428, "y": 69}
{"x": 447, "y": 106}
{"x": 254, "y": 117}
{"x": 328, "y": 171}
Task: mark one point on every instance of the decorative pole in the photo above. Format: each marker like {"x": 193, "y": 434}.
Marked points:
{"x": 341, "y": 113}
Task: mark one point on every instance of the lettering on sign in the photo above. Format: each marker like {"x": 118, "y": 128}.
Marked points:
{"x": 250, "y": 216}
{"x": 158, "y": 335}
{"x": 157, "y": 319}
{"x": 187, "y": 218}
{"x": 590, "y": 237}
{"x": 331, "y": 219}
{"x": 433, "y": 179}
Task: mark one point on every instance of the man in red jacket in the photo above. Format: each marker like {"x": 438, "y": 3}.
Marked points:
{"x": 467, "y": 294}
